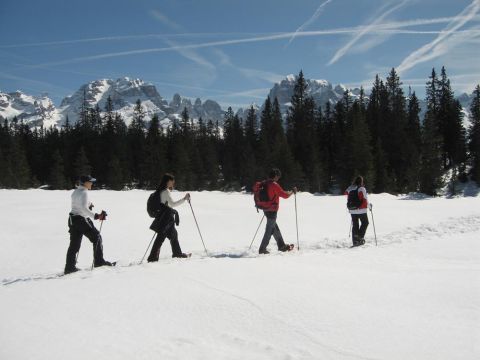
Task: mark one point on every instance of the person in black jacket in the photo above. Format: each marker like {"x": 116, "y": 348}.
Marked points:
{"x": 166, "y": 219}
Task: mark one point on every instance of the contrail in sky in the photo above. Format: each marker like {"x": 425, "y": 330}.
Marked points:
{"x": 385, "y": 28}
{"x": 427, "y": 51}
{"x": 341, "y": 52}
{"x": 309, "y": 21}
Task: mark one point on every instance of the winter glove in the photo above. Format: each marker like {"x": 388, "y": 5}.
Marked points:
{"x": 102, "y": 216}
{"x": 370, "y": 205}
{"x": 294, "y": 190}
{"x": 90, "y": 207}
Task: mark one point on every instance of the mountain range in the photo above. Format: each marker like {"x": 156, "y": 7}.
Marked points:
{"x": 124, "y": 92}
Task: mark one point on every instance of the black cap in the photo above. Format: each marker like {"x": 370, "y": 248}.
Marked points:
{"x": 85, "y": 178}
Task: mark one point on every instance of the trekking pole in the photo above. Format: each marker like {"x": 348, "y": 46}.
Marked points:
{"x": 201, "y": 237}
{"x": 96, "y": 245}
{"x": 374, "y": 231}
{"x": 254, "y": 236}
{"x": 150, "y": 243}
{"x": 296, "y": 220}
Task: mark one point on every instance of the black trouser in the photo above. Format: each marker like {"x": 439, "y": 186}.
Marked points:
{"x": 358, "y": 232}
{"x": 271, "y": 229}
{"x": 172, "y": 235}
{"x": 78, "y": 227}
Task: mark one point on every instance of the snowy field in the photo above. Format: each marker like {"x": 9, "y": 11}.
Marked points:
{"x": 414, "y": 296}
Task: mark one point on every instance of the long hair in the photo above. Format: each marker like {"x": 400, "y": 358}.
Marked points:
{"x": 165, "y": 179}
{"x": 358, "y": 181}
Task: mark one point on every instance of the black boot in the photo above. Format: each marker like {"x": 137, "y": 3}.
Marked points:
{"x": 102, "y": 263}
{"x": 69, "y": 270}
{"x": 182, "y": 255}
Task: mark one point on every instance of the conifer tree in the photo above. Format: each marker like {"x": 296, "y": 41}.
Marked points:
{"x": 81, "y": 165}
{"x": 301, "y": 134}
{"x": 20, "y": 175}
{"x": 359, "y": 159}
{"x": 449, "y": 118}
{"x": 4, "y": 169}
{"x": 114, "y": 174}
{"x": 395, "y": 131}
{"x": 155, "y": 154}
{"x": 57, "y": 178}
{"x": 209, "y": 149}
{"x": 136, "y": 141}
{"x": 413, "y": 144}
{"x": 474, "y": 135}
{"x": 431, "y": 159}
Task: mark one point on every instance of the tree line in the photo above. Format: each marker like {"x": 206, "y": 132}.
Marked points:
{"x": 318, "y": 147}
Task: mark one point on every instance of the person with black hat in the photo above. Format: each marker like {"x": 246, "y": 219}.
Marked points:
{"x": 275, "y": 192}
{"x": 80, "y": 224}
{"x": 166, "y": 219}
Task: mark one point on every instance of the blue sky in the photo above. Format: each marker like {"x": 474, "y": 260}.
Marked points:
{"x": 234, "y": 51}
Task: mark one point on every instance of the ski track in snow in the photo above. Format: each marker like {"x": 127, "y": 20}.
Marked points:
{"x": 452, "y": 226}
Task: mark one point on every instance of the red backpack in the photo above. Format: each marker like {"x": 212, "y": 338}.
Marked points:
{"x": 260, "y": 195}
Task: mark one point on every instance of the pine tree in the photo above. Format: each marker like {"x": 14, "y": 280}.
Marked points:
{"x": 57, "y": 178}
{"x": 155, "y": 154}
{"x": 431, "y": 158}
{"x": 359, "y": 159}
{"x": 326, "y": 133}
{"x": 82, "y": 165}
{"x": 136, "y": 142}
{"x": 449, "y": 118}
{"x": 395, "y": 131}
{"x": 301, "y": 135}
{"x": 20, "y": 175}
{"x": 4, "y": 169}
{"x": 413, "y": 144}
{"x": 114, "y": 174}
{"x": 474, "y": 135}
{"x": 251, "y": 128}
{"x": 209, "y": 150}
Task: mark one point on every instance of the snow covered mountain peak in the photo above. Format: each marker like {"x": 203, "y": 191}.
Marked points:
{"x": 322, "y": 91}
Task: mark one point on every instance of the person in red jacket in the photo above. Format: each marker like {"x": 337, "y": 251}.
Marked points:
{"x": 357, "y": 206}
{"x": 275, "y": 192}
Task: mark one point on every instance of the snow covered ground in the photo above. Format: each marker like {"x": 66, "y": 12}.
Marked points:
{"x": 414, "y": 296}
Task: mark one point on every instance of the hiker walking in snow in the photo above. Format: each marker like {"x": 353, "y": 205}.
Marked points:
{"x": 165, "y": 218}
{"x": 272, "y": 192}
{"x": 80, "y": 224}
{"x": 357, "y": 205}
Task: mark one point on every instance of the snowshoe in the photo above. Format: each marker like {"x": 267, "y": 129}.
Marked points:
{"x": 71, "y": 270}
{"x": 287, "y": 247}
{"x": 182, "y": 255}
{"x": 105, "y": 263}
{"x": 264, "y": 252}
{"x": 358, "y": 242}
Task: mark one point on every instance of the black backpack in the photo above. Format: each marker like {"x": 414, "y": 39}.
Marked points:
{"x": 260, "y": 195}
{"x": 353, "y": 201}
{"x": 153, "y": 204}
